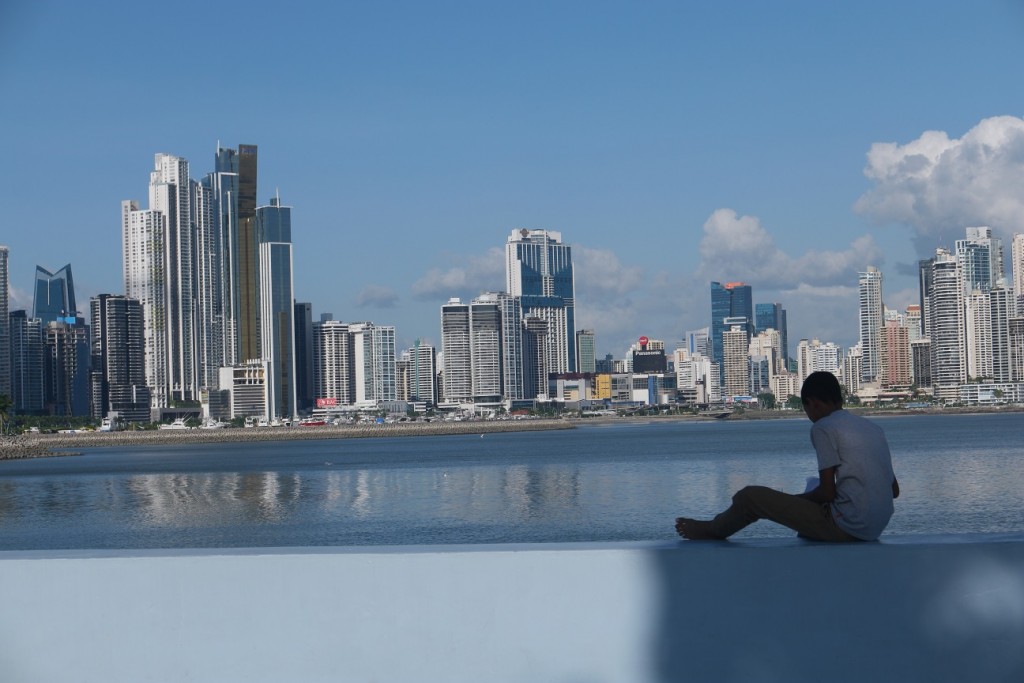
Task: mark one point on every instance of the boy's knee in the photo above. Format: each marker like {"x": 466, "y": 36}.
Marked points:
{"x": 748, "y": 493}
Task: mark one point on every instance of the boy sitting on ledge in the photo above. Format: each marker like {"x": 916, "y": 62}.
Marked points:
{"x": 854, "y": 497}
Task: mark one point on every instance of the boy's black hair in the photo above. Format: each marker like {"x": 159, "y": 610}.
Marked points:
{"x": 823, "y": 386}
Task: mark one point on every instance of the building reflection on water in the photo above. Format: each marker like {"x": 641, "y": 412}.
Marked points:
{"x": 470, "y": 494}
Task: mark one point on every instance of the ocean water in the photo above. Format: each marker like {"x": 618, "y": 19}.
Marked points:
{"x": 607, "y": 482}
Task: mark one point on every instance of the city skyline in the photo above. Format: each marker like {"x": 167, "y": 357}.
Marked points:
{"x": 411, "y": 141}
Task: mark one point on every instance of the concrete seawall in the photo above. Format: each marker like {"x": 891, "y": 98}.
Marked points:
{"x": 906, "y": 609}
{"x": 41, "y": 445}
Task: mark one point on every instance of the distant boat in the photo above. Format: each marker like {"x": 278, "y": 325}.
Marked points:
{"x": 212, "y": 424}
{"x": 107, "y": 425}
{"x": 177, "y": 424}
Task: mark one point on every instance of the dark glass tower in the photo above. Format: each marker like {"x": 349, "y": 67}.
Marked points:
{"x": 773, "y": 316}
{"x": 248, "y": 256}
{"x": 54, "y": 295}
{"x": 731, "y": 300}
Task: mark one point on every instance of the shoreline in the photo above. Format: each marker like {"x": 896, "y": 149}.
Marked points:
{"x": 56, "y": 445}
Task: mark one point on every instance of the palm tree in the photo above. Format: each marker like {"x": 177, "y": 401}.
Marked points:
{"x": 5, "y": 405}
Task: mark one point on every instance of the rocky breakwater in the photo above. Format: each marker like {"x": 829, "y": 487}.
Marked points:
{"x": 37, "y": 445}
{"x": 20, "y": 446}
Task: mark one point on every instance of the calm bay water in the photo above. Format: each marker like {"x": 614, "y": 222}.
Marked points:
{"x": 611, "y": 482}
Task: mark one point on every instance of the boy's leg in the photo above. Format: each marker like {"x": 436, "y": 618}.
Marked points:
{"x": 752, "y": 503}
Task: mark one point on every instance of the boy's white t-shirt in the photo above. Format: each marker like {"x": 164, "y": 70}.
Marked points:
{"x": 859, "y": 451}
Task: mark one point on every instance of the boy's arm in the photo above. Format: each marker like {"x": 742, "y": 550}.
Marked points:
{"x": 826, "y": 490}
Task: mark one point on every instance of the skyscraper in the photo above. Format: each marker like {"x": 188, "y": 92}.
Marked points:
{"x": 208, "y": 286}
{"x": 978, "y": 334}
{"x": 871, "y": 315}
{"x": 539, "y": 270}
{"x": 1001, "y": 312}
{"x": 66, "y": 368}
{"x": 27, "y": 356}
{"x": 304, "y": 386}
{"x": 946, "y": 318}
{"x": 277, "y": 302}
{"x": 896, "y": 355}
{"x": 246, "y": 249}
{"x": 333, "y": 377}
{"x": 485, "y": 349}
{"x": 422, "y": 373}
{"x": 1017, "y": 264}
{"x": 117, "y": 381}
{"x": 146, "y": 280}
{"x": 979, "y": 258}
{"x": 773, "y": 316}
{"x": 535, "y": 358}
{"x": 223, "y": 188}
{"x": 512, "y": 359}
{"x": 5, "y": 325}
{"x": 373, "y": 354}
{"x": 456, "y": 351}
{"x": 54, "y": 295}
{"x": 731, "y": 300}
{"x": 586, "y": 352}
{"x": 169, "y": 194}
{"x": 736, "y": 362}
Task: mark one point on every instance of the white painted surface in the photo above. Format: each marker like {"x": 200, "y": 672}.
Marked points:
{"x": 938, "y": 609}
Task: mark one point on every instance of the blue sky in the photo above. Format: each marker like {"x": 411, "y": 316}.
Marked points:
{"x": 785, "y": 144}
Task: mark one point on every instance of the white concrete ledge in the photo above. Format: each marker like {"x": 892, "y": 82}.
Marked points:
{"x": 906, "y": 609}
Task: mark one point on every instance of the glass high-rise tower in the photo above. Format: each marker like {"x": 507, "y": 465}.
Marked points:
{"x": 733, "y": 300}
{"x": 5, "y": 326}
{"x": 274, "y": 228}
{"x": 54, "y": 295}
{"x": 539, "y": 270}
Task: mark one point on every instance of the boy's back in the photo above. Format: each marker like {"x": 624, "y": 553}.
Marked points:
{"x": 859, "y": 451}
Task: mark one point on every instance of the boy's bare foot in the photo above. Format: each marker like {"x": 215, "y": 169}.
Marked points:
{"x": 695, "y": 529}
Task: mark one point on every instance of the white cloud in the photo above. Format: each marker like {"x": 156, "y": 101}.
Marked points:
{"x": 600, "y": 271}
{"x": 938, "y": 186}
{"x": 738, "y": 247}
{"x": 19, "y": 299}
{"x": 477, "y": 274}
{"x": 376, "y": 296}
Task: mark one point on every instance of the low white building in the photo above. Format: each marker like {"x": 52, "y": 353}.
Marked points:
{"x": 248, "y": 387}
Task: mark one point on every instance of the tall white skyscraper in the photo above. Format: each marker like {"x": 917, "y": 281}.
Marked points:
{"x": 374, "y": 361}
{"x": 169, "y": 193}
{"x": 486, "y": 349}
{"x": 946, "y": 324}
{"x": 209, "y": 276}
{"x": 422, "y": 364}
{"x": 333, "y": 362}
{"x": 538, "y": 269}
{"x": 871, "y": 312}
{"x": 158, "y": 254}
{"x": 1001, "y": 311}
{"x": 144, "y": 238}
{"x": 1017, "y": 263}
{"x": 5, "y": 324}
{"x": 456, "y": 352}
